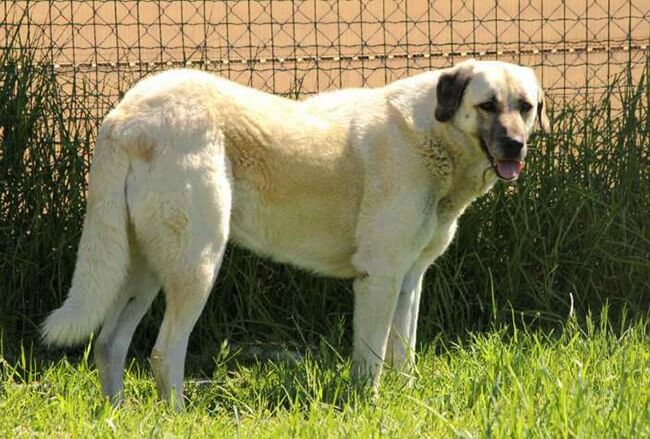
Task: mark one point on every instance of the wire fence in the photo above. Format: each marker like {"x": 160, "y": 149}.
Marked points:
{"x": 100, "y": 48}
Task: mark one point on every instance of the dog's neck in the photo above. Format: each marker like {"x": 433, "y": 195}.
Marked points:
{"x": 458, "y": 176}
{"x": 438, "y": 159}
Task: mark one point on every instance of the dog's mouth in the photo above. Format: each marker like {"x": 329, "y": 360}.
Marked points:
{"x": 506, "y": 169}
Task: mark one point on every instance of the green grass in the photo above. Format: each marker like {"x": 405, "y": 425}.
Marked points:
{"x": 500, "y": 383}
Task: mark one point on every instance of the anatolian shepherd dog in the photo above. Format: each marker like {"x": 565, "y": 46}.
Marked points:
{"x": 366, "y": 184}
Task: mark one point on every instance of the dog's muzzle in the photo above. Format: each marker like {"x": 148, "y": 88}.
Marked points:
{"x": 506, "y": 169}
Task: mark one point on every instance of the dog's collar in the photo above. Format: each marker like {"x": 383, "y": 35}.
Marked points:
{"x": 441, "y": 159}
{"x": 485, "y": 149}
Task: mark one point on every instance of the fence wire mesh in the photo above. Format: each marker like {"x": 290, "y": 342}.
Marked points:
{"x": 100, "y": 48}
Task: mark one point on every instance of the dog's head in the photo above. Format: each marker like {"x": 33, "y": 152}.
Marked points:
{"x": 493, "y": 105}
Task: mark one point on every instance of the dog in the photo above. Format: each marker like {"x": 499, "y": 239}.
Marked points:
{"x": 365, "y": 184}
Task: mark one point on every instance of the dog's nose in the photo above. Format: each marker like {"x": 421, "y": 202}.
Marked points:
{"x": 512, "y": 147}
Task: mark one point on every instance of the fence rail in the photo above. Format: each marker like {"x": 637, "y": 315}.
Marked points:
{"x": 99, "y": 48}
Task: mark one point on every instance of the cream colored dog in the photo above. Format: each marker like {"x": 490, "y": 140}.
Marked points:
{"x": 365, "y": 184}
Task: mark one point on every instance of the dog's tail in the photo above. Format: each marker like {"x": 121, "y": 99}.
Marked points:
{"x": 103, "y": 256}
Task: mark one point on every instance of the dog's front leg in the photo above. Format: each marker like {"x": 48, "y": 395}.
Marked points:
{"x": 400, "y": 351}
{"x": 375, "y": 298}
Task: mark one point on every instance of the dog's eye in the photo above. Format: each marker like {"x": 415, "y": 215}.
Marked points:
{"x": 489, "y": 106}
{"x": 525, "y": 107}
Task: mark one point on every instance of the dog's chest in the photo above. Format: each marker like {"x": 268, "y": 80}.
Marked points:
{"x": 468, "y": 183}
{"x": 446, "y": 202}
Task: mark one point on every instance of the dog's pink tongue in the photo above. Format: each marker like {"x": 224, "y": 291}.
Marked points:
{"x": 509, "y": 169}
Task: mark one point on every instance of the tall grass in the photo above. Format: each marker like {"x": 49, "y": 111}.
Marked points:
{"x": 45, "y": 147}
{"x": 573, "y": 231}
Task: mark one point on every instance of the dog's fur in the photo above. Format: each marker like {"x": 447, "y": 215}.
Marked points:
{"x": 365, "y": 184}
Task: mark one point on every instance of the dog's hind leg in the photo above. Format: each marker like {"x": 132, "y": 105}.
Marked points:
{"x": 186, "y": 290}
{"x": 112, "y": 345}
{"x": 185, "y": 301}
{"x": 186, "y": 248}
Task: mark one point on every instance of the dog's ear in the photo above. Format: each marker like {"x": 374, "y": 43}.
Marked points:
{"x": 542, "y": 118}
{"x": 450, "y": 89}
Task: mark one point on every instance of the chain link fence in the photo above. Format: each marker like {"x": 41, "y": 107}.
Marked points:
{"x": 100, "y": 48}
